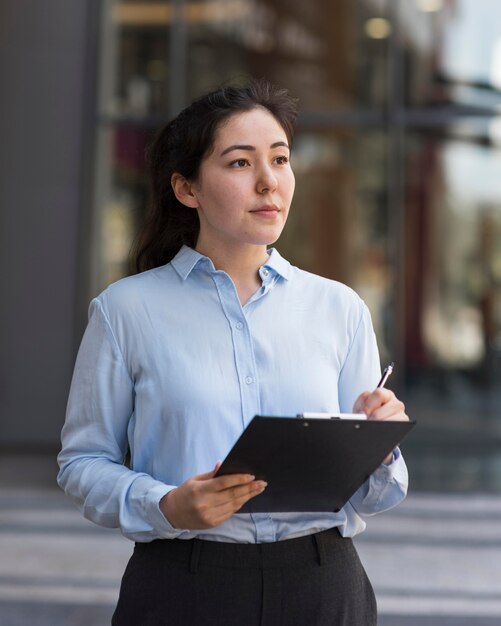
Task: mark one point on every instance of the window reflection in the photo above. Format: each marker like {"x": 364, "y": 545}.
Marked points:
{"x": 453, "y": 51}
{"x": 339, "y": 221}
{"x": 292, "y": 43}
{"x": 134, "y": 71}
{"x": 397, "y": 161}
{"x": 121, "y": 193}
{"x": 453, "y": 306}
{"x": 453, "y": 275}
{"x": 320, "y": 50}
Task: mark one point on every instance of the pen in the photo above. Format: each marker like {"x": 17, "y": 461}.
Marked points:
{"x": 386, "y": 374}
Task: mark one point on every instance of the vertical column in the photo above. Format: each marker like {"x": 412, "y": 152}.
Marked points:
{"x": 395, "y": 182}
{"x": 177, "y": 58}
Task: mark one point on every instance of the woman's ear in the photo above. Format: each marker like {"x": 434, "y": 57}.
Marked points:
{"x": 183, "y": 190}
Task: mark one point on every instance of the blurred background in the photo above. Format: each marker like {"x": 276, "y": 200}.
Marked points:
{"x": 398, "y": 167}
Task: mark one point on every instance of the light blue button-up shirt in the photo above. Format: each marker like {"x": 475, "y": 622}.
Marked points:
{"x": 173, "y": 368}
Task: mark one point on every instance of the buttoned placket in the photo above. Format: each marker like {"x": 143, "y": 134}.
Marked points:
{"x": 245, "y": 363}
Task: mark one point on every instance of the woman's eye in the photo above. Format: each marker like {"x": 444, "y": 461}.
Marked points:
{"x": 282, "y": 160}
{"x": 239, "y": 163}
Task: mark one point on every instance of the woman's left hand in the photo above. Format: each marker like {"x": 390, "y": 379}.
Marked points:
{"x": 381, "y": 405}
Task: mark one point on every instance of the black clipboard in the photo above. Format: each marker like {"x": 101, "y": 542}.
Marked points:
{"x": 310, "y": 464}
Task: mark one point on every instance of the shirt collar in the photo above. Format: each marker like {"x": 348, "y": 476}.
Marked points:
{"x": 277, "y": 264}
{"x": 187, "y": 259}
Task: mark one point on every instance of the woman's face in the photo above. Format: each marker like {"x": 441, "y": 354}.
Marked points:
{"x": 245, "y": 185}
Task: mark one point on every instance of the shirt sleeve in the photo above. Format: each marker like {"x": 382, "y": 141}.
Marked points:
{"x": 384, "y": 489}
{"x": 361, "y": 369}
{"x": 387, "y": 486}
{"x": 94, "y": 441}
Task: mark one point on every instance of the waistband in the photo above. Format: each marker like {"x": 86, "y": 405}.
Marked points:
{"x": 318, "y": 548}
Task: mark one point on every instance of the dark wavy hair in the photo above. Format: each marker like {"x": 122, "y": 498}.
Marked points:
{"x": 179, "y": 147}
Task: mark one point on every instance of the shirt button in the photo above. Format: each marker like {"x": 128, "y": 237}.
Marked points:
{"x": 265, "y": 272}
{"x": 239, "y": 325}
{"x": 249, "y": 380}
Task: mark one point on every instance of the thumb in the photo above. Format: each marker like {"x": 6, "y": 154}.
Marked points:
{"x": 211, "y": 474}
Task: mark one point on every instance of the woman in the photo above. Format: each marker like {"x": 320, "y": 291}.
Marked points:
{"x": 176, "y": 360}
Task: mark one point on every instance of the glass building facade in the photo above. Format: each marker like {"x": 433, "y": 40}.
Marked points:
{"x": 398, "y": 178}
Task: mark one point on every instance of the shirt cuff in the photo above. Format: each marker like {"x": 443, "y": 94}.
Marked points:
{"x": 395, "y": 455}
{"x": 394, "y": 470}
{"x": 155, "y": 515}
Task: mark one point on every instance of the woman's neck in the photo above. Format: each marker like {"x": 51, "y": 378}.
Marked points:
{"x": 242, "y": 265}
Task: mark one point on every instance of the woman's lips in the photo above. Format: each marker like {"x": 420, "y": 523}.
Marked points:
{"x": 267, "y": 210}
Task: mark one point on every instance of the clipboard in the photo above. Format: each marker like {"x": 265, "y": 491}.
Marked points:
{"x": 310, "y": 464}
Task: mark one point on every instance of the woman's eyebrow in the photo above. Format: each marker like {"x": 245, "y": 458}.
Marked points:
{"x": 277, "y": 144}
{"x": 237, "y": 147}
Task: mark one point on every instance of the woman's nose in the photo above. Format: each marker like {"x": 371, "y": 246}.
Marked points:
{"x": 266, "y": 180}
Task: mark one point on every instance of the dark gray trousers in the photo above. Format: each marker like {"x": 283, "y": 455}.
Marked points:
{"x": 316, "y": 580}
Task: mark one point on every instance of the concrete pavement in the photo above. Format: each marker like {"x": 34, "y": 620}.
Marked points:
{"x": 434, "y": 561}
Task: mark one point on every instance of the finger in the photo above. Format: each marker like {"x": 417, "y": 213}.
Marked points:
{"x": 213, "y": 508}
{"x": 238, "y": 493}
{"x": 258, "y": 488}
{"x": 390, "y": 412}
{"x": 218, "y": 507}
{"x": 393, "y": 409}
{"x": 228, "y": 508}
{"x": 217, "y": 490}
{"x": 206, "y": 475}
{"x": 235, "y": 494}
{"x": 358, "y": 407}
{"x": 377, "y": 398}
{"x": 220, "y": 483}
{"x": 209, "y": 475}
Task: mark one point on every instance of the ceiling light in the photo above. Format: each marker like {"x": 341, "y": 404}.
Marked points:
{"x": 430, "y": 6}
{"x": 378, "y": 28}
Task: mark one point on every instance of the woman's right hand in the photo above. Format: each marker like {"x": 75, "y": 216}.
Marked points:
{"x": 204, "y": 501}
